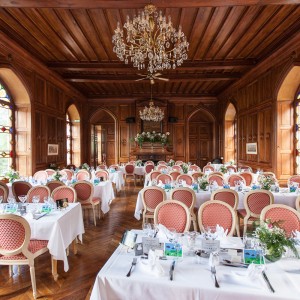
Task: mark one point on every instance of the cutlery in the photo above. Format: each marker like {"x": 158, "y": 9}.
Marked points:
{"x": 132, "y": 264}
{"x": 227, "y": 262}
{"x": 214, "y": 273}
{"x": 171, "y": 272}
{"x": 268, "y": 282}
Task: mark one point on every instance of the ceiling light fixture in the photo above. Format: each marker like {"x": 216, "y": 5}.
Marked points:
{"x": 152, "y": 113}
{"x": 151, "y": 42}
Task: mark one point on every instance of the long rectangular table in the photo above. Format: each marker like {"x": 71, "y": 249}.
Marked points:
{"x": 191, "y": 281}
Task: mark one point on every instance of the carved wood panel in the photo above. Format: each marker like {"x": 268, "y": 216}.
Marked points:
{"x": 124, "y": 142}
{"x": 179, "y": 141}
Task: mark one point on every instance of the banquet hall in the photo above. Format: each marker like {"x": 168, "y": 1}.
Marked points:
{"x": 218, "y": 84}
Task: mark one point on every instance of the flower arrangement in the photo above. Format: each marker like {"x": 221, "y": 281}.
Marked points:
{"x": 203, "y": 182}
{"x": 266, "y": 182}
{"x": 12, "y": 175}
{"x": 85, "y": 166}
{"x": 152, "y": 137}
{"x": 139, "y": 163}
{"x": 56, "y": 176}
{"x": 274, "y": 240}
{"x": 185, "y": 168}
{"x": 171, "y": 163}
{"x": 223, "y": 169}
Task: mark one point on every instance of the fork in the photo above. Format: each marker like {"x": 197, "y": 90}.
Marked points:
{"x": 132, "y": 264}
{"x": 214, "y": 272}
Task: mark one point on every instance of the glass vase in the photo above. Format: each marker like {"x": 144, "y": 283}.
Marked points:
{"x": 273, "y": 254}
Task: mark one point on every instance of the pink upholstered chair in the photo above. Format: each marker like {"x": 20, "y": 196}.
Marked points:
{"x": 151, "y": 197}
{"x": 186, "y": 177}
{"x": 85, "y": 192}
{"x": 69, "y": 173}
{"x": 208, "y": 168}
{"x": 197, "y": 175}
{"x": 4, "y": 191}
{"x": 297, "y": 203}
{"x": 20, "y": 188}
{"x": 248, "y": 178}
{"x": 148, "y": 168}
{"x": 174, "y": 174}
{"x": 245, "y": 169}
{"x": 129, "y": 172}
{"x": 103, "y": 174}
{"x": 231, "y": 169}
{"x": 233, "y": 178}
{"x": 294, "y": 178}
{"x": 50, "y": 172}
{"x": 217, "y": 178}
{"x": 116, "y": 167}
{"x": 161, "y": 162}
{"x": 102, "y": 167}
{"x": 40, "y": 176}
{"x": 215, "y": 212}
{"x": 188, "y": 197}
{"x": 173, "y": 214}
{"x": 16, "y": 248}
{"x": 194, "y": 168}
{"x": 39, "y": 190}
{"x": 230, "y": 197}
{"x": 154, "y": 174}
{"x": 161, "y": 168}
{"x": 62, "y": 192}
{"x": 164, "y": 178}
{"x": 177, "y": 168}
{"x": 179, "y": 162}
{"x": 149, "y": 162}
{"x": 54, "y": 184}
{"x": 281, "y": 212}
{"x": 83, "y": 175}
{"x": 254, "y": 202}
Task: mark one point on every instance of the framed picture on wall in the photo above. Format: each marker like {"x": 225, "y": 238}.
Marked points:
{"x": 52, "y": 149}
{"x": 251, "y": 148}
{"x": 150, "y": 126}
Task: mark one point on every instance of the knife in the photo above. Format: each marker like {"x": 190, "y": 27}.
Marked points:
{"x": 172, "y": 270}
{"x": 268, "y": 282}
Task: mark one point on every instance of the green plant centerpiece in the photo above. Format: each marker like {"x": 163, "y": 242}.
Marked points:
{"x": 57, "y": 176}
{"x": 139, "y": 163}
{"x": 171, "y": 163}
{"x": 203, "y": 183}
{"x": 152, "y": 137}
{"x": 223, "y": 169}
{"x": 274, "y": 240}
{"x": 185, "y": 168}
{"x": 12, "y": 175}
{"x": 266, "y": 182}
{"x": 85, "y": 166}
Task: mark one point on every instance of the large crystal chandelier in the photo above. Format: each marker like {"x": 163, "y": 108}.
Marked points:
{"x": 151, "y": 42}
{"x": 152, "y": 113}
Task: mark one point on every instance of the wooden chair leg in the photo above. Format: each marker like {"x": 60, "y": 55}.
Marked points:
{"x": 54, "y": 268}
{"x": 74, "y": 246}
{"x": 33, "y": 282}
{"x": 94, "y": 215}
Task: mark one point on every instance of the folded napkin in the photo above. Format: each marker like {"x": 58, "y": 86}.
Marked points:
{"x": 160, "y": 184}
{"x": 152, "y": 264}
{"x": 163, "y": 232}
{"x": 220, "y": 233}
{"x": 296, "y": 235}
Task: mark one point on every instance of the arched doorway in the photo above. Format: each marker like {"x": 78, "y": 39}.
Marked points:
{"x": 201, "y": 137}
{"x": 230, "y": 134}
{"x": 103, "y": 138}
{"x": 21, "y": 99}
{"x": 285, "y": 154}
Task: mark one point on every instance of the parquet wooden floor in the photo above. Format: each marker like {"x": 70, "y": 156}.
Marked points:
{"x": 98, "y": 244}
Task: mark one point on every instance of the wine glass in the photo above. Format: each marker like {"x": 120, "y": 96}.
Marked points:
{"x": 11, "y": 200}
{"x": 36, "y": 200}
{"x": 209, "y": 232}
{"x": 23, "y": 199}
{"x": 1, "y": 199}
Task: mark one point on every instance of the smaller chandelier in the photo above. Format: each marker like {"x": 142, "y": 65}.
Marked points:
{"x": 150, "y": 42}
{"x": 152, "y": 113}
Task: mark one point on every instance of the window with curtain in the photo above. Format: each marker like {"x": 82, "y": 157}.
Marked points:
{"x": 69, "y": 140}
{"x": 298, "y": 135}
{"x": 6, "y": 131}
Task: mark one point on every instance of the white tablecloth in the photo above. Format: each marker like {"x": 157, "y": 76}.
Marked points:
{"x": 105, "y": 191}
{"x": 191, "y": 281}
{"x": 203, "y": 196}
{"x": 137, "y": 170}
{"x": 118, "y": 179}
{"x": 60, "y": 228}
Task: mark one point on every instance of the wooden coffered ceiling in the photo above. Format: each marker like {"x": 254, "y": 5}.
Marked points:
{"x": 74, "y": 38}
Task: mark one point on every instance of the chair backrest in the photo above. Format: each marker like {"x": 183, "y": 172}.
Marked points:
{"x": 62, "y": 192}
{"x": 161, "y": 162}
{"x": 129, "y": 169}
{"x": 216, "y": 173}
{"x": 154, "y": 174}
{"x": 245, "y": 169}
{"x": 231, "y": 168}
{"x": 256, "y": 200}
{"x": 248, "y": 177}
{"x": 297, "y": 203}
{"x": 149, "y": 162}
{"x": 40, "y": 176}
{"x": 228, "y": 196}
{"x": 235, "y": 178}
{"x": 132, "y": 162}
{"x": 215, "y": 212}
{"x": 71, "y": 167}
{"x": 294, "y": 178}
{"x": 103, "y": 174}
{"x": 20, "y": 188}
{"x": 116, "y": 167}
{"x": 4, "y": 191}
{"x": 14, "y": 237}
{"x": 152, "y": 196}
{"x": 208, "y": 168}
{"x": 184, "y": 195}
{"x": 173, "y": 214}
{"x": 162, "y": 167}
{"x": 197, "y": 175}
{"x": 174, "y": 174}
{"x": 281, "y": 212}
{"x": 102, "y": 167}
{"x": 186, "y": 177}
{"x": 177, "y": 168}
{"x": 179, "y": 162}
{"x": 164, "y": 178}
{"x": 69, "y": 173}
{"x": 217, "y": 178}
{"x": 39, "y": 190}
{"x": 84, "y": 191}
{"x": 149, "y": 168}
{"x": 50, "y": 172}
{"x": 54, "y": 184}
{"x": 194, "y": 168}
{"x": 83, "y": 175}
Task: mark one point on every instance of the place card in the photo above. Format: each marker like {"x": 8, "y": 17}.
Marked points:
{"x": 210, "y": 246}
{"x": 173, "y": 249}
{"x": 150, "y": 243}
{"x": 253, "y": 256}
{"x": 129, "y": 239}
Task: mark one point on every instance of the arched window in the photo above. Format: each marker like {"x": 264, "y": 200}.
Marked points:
{"x": 69, "y": 140}
{"x": 6, "y": 132}
{"x": 298, "y": 135}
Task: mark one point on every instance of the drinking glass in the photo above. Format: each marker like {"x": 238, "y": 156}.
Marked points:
{"x": 36, "y": 200}
{"x": 11, "y": 200}
{"x": 23, "y": 199}
{"x": 209, "y": 232}
{"x": 1, "y": 199}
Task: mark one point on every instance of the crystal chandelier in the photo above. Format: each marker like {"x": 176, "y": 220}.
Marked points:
{"x": 151, "y": 42}
{"x": 152, "y": 113}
